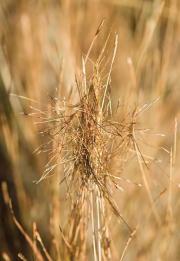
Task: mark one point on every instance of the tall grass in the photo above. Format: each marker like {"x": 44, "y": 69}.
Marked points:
{"x": 89, "y": 147}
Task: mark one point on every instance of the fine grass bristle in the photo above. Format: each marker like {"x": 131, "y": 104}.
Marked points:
{"x": 87, "y": 139}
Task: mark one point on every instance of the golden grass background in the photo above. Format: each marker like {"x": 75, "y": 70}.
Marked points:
{"x": 42, "y": 45}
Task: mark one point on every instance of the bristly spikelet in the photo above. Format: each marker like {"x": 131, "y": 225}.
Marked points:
{"x": 86, "y": 140}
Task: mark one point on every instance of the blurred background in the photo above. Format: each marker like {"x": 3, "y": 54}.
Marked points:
{"x": 41, "y": 47}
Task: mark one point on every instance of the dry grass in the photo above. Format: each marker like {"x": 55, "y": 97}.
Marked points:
{"x": 89, "y": 130}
